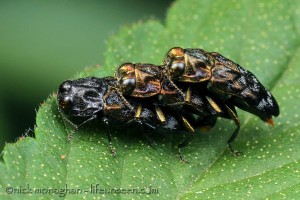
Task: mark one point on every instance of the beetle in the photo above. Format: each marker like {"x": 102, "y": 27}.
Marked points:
{"x": 99, "y": 98}
{"x": 144, "y": 80}
{"x": 226, "y": 81}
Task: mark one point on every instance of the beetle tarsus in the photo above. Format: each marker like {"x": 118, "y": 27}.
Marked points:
{"x": 70, "y": 136}
{"x": 112, "y": 149}
{"x": 182, "y": 145}
{"x": 181, "y": 158}
{"x": 232, "y": 113}
{"x": 234, "y": 152}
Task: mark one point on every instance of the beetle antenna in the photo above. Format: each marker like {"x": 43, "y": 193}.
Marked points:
{"x": 75, "y": 126}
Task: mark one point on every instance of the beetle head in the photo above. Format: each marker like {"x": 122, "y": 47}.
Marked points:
{"x": 82, "y": 97}
{"x": 125, "y": 75}
{"x": 188, "y": 65}
{"x": 139, "y": 80}
{"x": 174, "y": 62}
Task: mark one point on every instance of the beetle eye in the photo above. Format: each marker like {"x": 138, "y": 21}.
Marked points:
{"x": 176, "y": 69}
{"x": 174, "y": 62}
{"x": 66, "y": 104}
{"x": 127, "y": 85}
{"x": 125, "y": 75}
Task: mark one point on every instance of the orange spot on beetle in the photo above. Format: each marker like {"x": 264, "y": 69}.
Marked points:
{"x": 270, "y": 121}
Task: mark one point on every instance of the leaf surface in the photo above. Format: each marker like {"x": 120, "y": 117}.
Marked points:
{"x": 262, "y": 36}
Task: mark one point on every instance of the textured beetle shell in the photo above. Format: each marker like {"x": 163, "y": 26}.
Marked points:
{"x": 85, "y": 95}
{"x": 148, "y": 80}
{"x": 230, "y": 80}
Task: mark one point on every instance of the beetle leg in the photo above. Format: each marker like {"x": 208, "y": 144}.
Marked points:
{"x": 145, "y": 132}
{"x": 106, "y": 123}
{"x": 138, "y": 112}
{"x": 137, "y": 116}
{"x": 183, "y": 144}
{"x": 213, "y": 104}
{"x": 190, "y": 128}
{"x": 187, "y": 124}
{"x": 141, "y": 124}
{"x": 137, "y": 119}
{"x": 160, "y": 114}
{"x": 188, "y": 95}
{"x": 232, "y": 113}
{"x": 75, "y": 127}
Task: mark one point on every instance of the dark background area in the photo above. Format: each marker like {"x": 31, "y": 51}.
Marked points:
{"x": 43, "y": 43}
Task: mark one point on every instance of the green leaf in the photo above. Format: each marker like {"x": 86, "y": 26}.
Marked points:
{"x": 263, "y": 36}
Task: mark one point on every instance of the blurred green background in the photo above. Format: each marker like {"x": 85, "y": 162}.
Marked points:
{"x": 42, "y": 43}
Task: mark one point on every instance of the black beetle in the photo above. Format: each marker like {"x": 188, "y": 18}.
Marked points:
{"x": 99, "y": 98}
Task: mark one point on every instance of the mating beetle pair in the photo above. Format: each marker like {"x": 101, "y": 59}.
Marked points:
{"x": 91, "y": 98}
{"x": 192, "y": 88}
